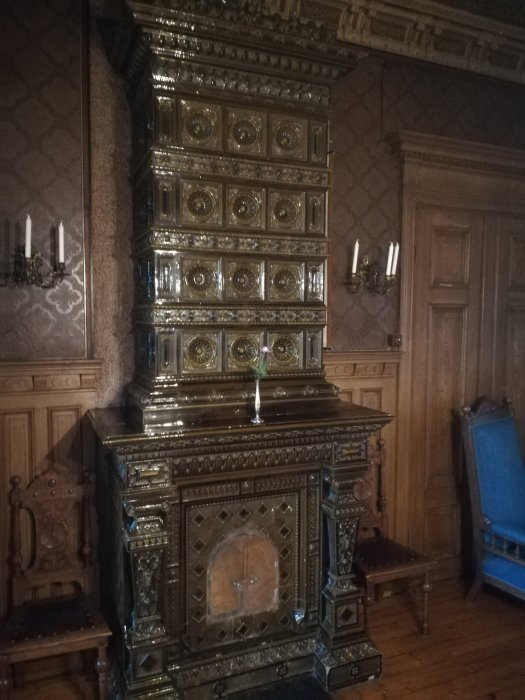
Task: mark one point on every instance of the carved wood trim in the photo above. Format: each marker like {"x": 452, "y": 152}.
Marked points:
{"x": 457, "y": 153}
{"x": 48, "y": 376}
{"x": 427, "y": 31}
{"x": 371, "y": 379}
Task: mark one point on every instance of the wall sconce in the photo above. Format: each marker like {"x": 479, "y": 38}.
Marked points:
{"x": 368, "y": 275}
{"x": 27, "y": 264}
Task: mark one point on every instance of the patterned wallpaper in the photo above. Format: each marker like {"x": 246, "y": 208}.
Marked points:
{"x": 380, "y": 98}
{"x": 41, "y": 173}
{"x": 41, "y": 159}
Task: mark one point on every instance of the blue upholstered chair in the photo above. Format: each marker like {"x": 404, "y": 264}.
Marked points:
{"x": 496, "y": 479}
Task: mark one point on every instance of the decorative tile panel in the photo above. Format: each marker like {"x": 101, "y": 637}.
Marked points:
{"x": 200, "y": 278}
{"x": 242, "y": 349}
{"x": 316, "y": 213}
{"x": 208, "y": 525}
{"x": 166, "y": 353}
{"x": 298, "y": 314}
{"x": 201, "y": 352}
{"x": 145, "y": 349}
{"x": 201, "y": 203}
{"x": 288, "y": 137}
{"x": 246, "y": 132}
{"x": 167, "y": 278}
{"x": 285, "y": 350}
{"x": 201, "y": 125}
{"x": 244, "y": 279}
{"x": 315, "y": 282}
{"x": 145, "y": 288}
{"x": 245, "y": 207}
{"x": 165, "y": 121}
{"x": 286, "y": 211}
{"x": 314, "y": 349}
{"x": 210, "y": 165}
{"x": 165, "y": 201}
{"x": 317, "y": 138}
{"x": 285, "y": 281}
{"x": 240, "y": 242}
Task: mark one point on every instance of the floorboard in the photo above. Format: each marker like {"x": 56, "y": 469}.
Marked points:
{"x": 475, "y": 651}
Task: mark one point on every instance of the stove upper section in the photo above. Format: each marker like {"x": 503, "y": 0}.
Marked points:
{"x": 232, "y": 191}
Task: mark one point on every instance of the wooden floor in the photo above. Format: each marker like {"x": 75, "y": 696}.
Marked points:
{"x": 474, "y": 651}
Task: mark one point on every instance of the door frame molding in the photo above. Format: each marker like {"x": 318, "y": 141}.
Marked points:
{"x": 439, "y": 171}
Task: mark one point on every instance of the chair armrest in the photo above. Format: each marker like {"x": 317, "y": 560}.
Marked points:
{"x": 507, "y": 541}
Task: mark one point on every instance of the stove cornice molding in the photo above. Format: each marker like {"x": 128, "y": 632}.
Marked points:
{"x": 426, "y": 31}
{"x": 230, "y": 35}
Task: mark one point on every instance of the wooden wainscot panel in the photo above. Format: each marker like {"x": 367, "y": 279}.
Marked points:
{"x": 42, "y": 405}
{"x": 517, "y": 258}
{"x": 370, "y": 379}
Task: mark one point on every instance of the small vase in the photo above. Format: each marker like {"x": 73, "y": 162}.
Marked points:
{"x": 257, "y": 405}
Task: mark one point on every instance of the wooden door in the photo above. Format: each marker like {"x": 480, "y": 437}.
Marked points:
{"x": 462, "y": 319}
{"x": 445, "y": 338}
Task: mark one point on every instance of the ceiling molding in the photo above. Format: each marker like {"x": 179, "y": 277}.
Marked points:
{"x": 427, "y": 31}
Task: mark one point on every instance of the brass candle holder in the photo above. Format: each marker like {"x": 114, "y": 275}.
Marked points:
{"x": 28, "y": 271}
{"x": 368, "y": 276}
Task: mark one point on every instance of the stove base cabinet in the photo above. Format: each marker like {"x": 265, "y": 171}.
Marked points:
{"x": 226, "y": 554}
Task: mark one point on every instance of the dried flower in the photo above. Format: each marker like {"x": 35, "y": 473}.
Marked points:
{"x": 260, "y": 370}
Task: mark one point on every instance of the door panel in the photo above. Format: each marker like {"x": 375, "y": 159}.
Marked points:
{"x": 445, "y": 353}
{"x": 510, "y": 336}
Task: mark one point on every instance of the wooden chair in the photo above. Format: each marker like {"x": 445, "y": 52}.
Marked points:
{"x": 51, "y": 614}
{"x": 496, "y": 479}
{"x": 378, "y": 559}
{"x": 381, "y": 560}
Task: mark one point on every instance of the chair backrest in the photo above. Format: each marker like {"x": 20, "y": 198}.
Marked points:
{"x": 494, "y": 461}
{"x": 50, "y": 526}
{"x": 369, "y": 491}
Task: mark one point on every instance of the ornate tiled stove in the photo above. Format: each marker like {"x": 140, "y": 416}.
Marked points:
{"x": 227, "y": 546}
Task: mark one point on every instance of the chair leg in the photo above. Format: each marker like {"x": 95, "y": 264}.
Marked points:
{"x": 427, "y": 587}
{"x": 4, "y": 677}
{"x": 369, "y": 593}
{"x": 474, "y": 589}
{"x": 102, "y": 667}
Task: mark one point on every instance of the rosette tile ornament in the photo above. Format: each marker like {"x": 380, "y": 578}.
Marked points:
{"x": 369, "y": 276}
{"x": 259, "y": 371}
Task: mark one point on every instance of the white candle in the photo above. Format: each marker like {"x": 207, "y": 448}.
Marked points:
{"x": 356, "y": 254}
{"x": 389, "y": 260}
{"x": 396, "y": 256}
{"x": 60, "y": 242}
{"x": 28, "y": 237}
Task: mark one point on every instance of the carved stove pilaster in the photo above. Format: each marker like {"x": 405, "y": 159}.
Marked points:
{"x": 343, "y": 614}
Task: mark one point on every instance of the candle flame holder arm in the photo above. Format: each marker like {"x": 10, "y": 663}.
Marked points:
{"x": 28, "y": 271}
{"x": 368, "y": 276}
